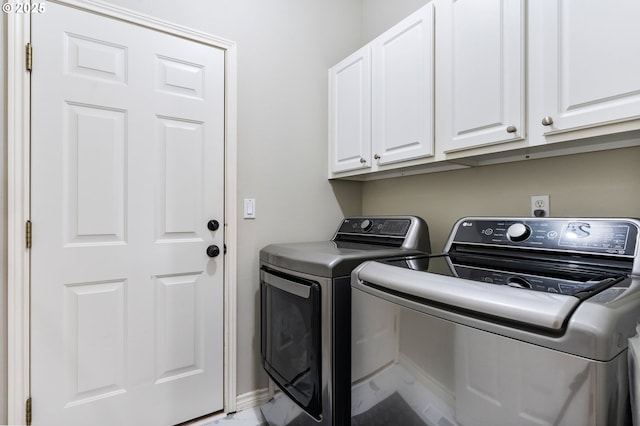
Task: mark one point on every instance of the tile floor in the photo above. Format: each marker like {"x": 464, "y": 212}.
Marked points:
{"x": 250, "y": 417}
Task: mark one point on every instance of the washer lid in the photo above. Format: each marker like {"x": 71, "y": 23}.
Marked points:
{"x": 547, "y": 311}
{"x": 327, "y": 258}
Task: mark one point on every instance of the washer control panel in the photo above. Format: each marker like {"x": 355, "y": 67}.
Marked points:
{"x": 605, "y": 236}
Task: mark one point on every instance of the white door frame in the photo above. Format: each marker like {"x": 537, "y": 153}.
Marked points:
{"x": 18, "y": 196}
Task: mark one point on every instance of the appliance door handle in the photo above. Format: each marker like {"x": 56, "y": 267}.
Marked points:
{"x": 421, "y": 290}
{"x": 300, "y": 290}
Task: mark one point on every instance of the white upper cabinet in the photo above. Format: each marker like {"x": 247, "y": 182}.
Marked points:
{"x": 381, "y": 100}
{"x": 590, "y": 63}
{"x": 402, "y": 89}
{"x": 480, "y": 68}
{"x": 471, "y": 82}
{"x": 350, "y": 113}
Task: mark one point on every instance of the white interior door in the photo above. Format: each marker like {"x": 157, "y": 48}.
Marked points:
{"x": 127, "y": 169}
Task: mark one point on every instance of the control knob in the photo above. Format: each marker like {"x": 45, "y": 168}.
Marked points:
{"x": 366, "y": 225}
{"x": 518, "y": 232}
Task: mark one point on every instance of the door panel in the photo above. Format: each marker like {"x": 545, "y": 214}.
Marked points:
{"x": 590, "y": 77}
{"x": 402, "y": 94}
{"x": 94, "y": 175}
{"x": 127, "y": 168}
{"x": 481, "y": 73}
{"x": 350, "y": 112}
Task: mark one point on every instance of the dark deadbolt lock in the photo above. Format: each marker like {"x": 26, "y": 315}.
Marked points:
{"x": 213, "y": 225}
{"x": 213, "y": 251}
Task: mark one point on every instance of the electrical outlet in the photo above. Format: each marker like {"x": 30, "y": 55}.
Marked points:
{"x": 540, "y": 206}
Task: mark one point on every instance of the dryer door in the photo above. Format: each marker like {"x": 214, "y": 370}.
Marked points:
{"x": 291, "y": 336}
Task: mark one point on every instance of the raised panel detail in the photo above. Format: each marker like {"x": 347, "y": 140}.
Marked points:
{"x": 580, "y": 74}
{"x": 96, "y": 323}
{"x": 85, "y": 57}
{"x": 180, "y": 77}
{"x": 589, "y": 77}
{"x": 180, "y": 146}
{"x": 179, "y": 338}
{"x": 95, "y": 173}
{"x": 401, "y": 76}
{"x": 402, "y": 89}
{"x": 478, "y": 67}
{"x": 351, "y": 103}
{"x": 480, "y": 85}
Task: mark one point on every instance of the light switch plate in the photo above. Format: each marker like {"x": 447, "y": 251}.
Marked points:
{"x": 249, "y": 208}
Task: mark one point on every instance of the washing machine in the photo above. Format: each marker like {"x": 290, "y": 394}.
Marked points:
{"x": 520, "y": 321}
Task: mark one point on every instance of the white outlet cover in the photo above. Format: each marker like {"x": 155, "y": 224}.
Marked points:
{"x": 540, "y": 202}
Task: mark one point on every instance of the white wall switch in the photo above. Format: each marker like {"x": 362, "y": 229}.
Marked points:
{"x": 249, "y": 208}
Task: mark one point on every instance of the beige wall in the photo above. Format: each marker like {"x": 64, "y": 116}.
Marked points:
{"x": 603, "y": 183}
{"x": 380, "y": 15}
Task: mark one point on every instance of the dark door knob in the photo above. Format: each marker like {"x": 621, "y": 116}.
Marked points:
{"x": 213, "y": 225}
{"x": 213, "y": 251}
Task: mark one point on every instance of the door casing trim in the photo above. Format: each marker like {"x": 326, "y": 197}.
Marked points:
{"x": 18, "y": 196}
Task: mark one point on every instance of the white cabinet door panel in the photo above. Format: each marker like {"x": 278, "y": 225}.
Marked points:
{"x": 402, "y": 94}
{"x": 350, "y": 113}
{"x": 591, "y": 62}
{"x": 480, "y": 73}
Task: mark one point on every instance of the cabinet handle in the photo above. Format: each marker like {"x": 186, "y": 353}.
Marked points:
{"x": 376, "y": 156}
{"x": 547, "y": 121}
{"x": 362, "y": 160}
{"x": 511, "y": 129}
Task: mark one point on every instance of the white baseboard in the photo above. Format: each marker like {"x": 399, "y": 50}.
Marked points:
{"x": 252, "y": 399}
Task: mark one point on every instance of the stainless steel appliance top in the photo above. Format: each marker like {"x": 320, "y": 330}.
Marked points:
{"x": 357, "y": 239}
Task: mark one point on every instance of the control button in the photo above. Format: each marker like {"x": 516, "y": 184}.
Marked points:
{"x": 552, "y": 235}
{"x": 518, "y": 232}
{"x": 366, "y": 225}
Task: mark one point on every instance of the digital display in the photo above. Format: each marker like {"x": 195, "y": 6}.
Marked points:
{"x": 594, "y": 235}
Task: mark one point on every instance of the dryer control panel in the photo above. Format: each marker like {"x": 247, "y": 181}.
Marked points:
{"x": 408, "y": 232}
{"x": 598, "y": 236}
{"x": 377, "y": 226}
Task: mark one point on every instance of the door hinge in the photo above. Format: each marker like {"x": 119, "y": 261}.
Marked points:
{"x": 28, "y": 412}
{"x": 28, "y": 234}
{"x": 29, "y": 56}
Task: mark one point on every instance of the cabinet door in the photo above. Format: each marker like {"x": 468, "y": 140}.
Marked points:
{"x": 402, "y": 94}
{"x": 480, "y": 72}
{"x": 591, "y": 61}
{"x": 350, "y": 113}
